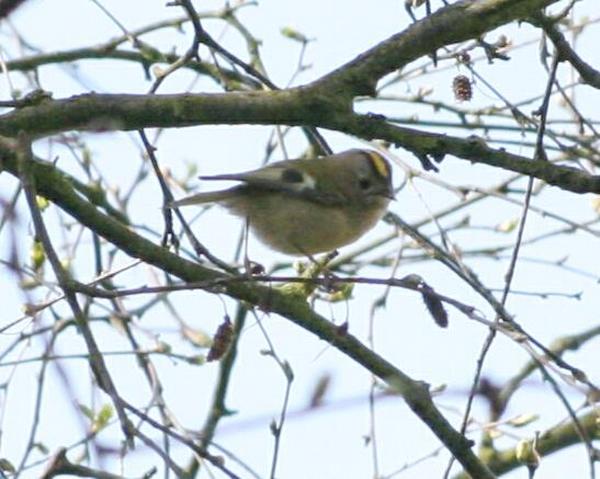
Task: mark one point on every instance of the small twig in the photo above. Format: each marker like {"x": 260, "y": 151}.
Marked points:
{"x": 192, "y": 51}
{"x": 61, "y": 466}
{"x": 277, "y": 427}
{"x": 539, "y": 155}
{"x": 96, "y": 361}
{"x": 590, "y": 75}
{"x": 169, "y": 234}
{"x": 37, "y": 407}
{"x": 218, "y": 409}
{"x": 214, "y": 460}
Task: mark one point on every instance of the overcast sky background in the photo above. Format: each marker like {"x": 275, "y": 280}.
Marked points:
{"x": 327, "y": 443}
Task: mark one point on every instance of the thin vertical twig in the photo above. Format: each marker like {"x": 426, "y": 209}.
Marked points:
{"x": 539, "y": 155}
{"x": 97, "y": 363}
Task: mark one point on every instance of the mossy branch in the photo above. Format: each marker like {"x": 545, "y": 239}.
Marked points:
{"x": 552, "y": 440}
{"x": 52, "y": 184}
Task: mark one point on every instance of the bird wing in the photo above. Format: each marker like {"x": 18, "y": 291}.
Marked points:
{"x": 290, "y": 177}
{"x": 284, "y": 175}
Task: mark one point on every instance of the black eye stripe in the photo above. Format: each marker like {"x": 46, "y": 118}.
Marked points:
{"x": 291, "y": 175}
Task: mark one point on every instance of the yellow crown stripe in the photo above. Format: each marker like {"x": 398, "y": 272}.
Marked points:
{"x": 379, "y": 163}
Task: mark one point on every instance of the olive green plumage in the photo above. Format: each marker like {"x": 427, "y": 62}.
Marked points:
{"x": 304, "y": 207}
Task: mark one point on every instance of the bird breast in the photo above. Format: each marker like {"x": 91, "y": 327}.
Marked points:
{"x": 296, "y": 226}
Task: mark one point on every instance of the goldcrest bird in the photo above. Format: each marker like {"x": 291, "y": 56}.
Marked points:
{"x": 304, "y": 207}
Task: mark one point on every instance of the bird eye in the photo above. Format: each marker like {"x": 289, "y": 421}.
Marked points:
{"x": 364, "y": 183}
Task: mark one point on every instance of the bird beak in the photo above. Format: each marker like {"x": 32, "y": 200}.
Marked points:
{"x": 390, "y": 193}
{"x": 385, "y": 191}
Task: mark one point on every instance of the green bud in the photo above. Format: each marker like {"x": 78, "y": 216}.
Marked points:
{"x": 523, "y": 420}
{"x": 527, "y": 454}
{"x": 103, "y": 417}
{"x": 37, "y": 255}
{"x": 42, "y": 203}
{"x": 344, "y": 292}
{"x": 293, "y": 34}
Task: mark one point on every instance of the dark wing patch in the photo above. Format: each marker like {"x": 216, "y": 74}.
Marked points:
{"x": 292, "y": 175}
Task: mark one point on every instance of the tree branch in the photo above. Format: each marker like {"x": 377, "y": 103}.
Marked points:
{"x": 554, "y": 439}
{"x": 53, "y": 185}
{"x": 461, "y": 21}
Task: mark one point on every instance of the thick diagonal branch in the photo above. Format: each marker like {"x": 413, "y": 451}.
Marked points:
{"x": 55, "y": 186}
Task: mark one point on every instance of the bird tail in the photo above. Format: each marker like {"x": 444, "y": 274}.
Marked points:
{"x": 202, "y": 198}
